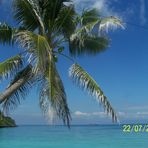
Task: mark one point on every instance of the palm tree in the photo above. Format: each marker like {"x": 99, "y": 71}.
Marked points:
{"x": 46, "y": 27}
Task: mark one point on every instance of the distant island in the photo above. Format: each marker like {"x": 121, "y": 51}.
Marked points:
{"x": 6, "y": 121}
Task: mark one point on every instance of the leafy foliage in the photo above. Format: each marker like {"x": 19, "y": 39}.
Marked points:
{"x": 82, "y": 78}
{"x": 87, "y": 44}
{"x": 110, "y": 23}
{"x": 6, "y": 121}
{"x": 90, "y": 37}
{"x": 27, "y": 14}
{"x": 6, "y": 34}
{"x": 52, "y": 94}
{"x": 66, "y": 21}
{"x": 50, "y": 11}
{"x": 10, "y": 66}
{"x": 89, "y": 16}
{"x": 37, "y": 46}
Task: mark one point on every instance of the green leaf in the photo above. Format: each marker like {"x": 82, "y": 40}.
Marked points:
{"x": 61, "y": 49}
{"x": 6, "y": 34}
{"x": 27, "y": 13}
{"x": 50, "y": 11}
{"x": 65, "y": 21}
{"x": 82, "y": 78}
{"x": 87, "y": 44}
{"x": 10, "y": 66}
{"x": 89, "y": 16}
{"x": 37, "y": 46}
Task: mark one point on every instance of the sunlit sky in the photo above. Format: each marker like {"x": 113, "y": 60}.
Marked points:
{"x": 121, "y": 71}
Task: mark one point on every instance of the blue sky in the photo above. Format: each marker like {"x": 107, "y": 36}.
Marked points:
{"x": 121, "y": 71}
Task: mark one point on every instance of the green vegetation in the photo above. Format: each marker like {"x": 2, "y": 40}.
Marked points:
{"x": 46, "y": 29}
{"x": 6, "y": 121}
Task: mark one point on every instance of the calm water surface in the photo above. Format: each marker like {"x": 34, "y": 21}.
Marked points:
{"x": 77, "y": 137}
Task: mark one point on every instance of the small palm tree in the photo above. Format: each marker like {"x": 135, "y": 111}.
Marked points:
{"x": 46, "y": 28}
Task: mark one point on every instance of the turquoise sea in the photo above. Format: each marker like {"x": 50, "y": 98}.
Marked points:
{"x": 101, "y": 136}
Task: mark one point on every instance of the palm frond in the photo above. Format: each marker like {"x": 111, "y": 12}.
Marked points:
{"x": 110, "y": 23}
{"x": 81, "y": 44}
{"x": 83, "y": 79}
{"x": 65, "y": 21}
{"x": 84, "y": 39}
{"x": 6, "y": 34}
{"x": 89, "y": 16}
{"x": 17, "y": 89}
{"x": 52, "y": 95}
{"x": 27, "y": 13}
{"x": 50, "y": 10}
{"x": 87, "y": 38}
{"x": 36, "y": 45}
{"x": 10, "y": 66}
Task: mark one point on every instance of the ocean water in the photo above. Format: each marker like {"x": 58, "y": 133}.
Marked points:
{"x": 102, "y": 136}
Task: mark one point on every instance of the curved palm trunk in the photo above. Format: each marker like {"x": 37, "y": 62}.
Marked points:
{"x": 10, "y": 90}
{"x": 21, "y": 79}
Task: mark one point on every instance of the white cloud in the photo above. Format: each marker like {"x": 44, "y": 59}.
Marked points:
{"x": 103, "y": 117}
{"x": 102, "y": 5}
{"x": 99, "y": 113}
{"x": 93, "y": 114}
{"x": 142, "y": 113}
{"x": 140, "y": 107}
{"x": 142, "y": 12}
{"x": 108, "y": 8}
{"x": 121, "y": 114}
{"x": 78, "y": 113}
{"x": 133, "y": 115}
